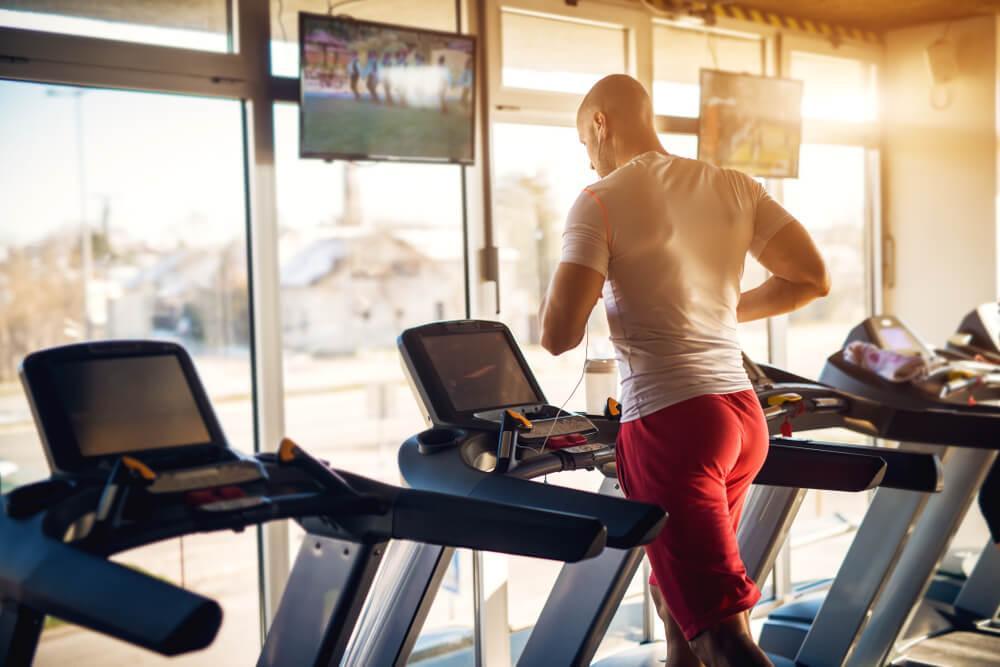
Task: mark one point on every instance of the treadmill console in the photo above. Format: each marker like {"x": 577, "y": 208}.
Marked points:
{"x": 888, "y": 333}
{"x": 467, "y": 373}
{"x": 94, "y": 403}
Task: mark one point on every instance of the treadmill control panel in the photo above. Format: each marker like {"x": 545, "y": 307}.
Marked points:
{"x": 468, "y": 373}
{"x": 890, "y": 334}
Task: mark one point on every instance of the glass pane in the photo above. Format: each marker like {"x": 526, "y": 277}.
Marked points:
{"x": 836, "y": 219}
{"x": 556, "y": 55}
{"x": 366, "y": 250}
{"x": 193, "y": 24}
{"x": 679, "y": 54}
{"x": 540, "y": 171}
{"x": 112, "y": 230}
{"x": 685, "y": 145}
{"x": 838, "y": 89}
{"x": 431, "y": 14}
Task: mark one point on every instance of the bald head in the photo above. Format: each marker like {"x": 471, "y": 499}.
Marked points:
{"x": 621, "y": 98}
{"x": 615, "y": 122}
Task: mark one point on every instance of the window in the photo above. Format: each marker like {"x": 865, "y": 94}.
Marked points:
{"x": 829, "y": 199}
{"x": 539, "y": 172}
{"x": 195, "y": 24}
{"x": 556, "y": 54}
{"x": 113, "y": 229}
{"x": 679, "y": 55}
{"x": 836, "y": 89}
{"x": 366, "y": 251}
{"x": 431, "y": 14}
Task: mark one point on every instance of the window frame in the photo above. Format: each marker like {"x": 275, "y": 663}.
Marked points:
{"x": 245, "y": 75}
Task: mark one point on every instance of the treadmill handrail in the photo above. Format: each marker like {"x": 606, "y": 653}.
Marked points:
{"x": 435, "y": 518}
{"x": 57, "y": 579}
{"x": 935, "y": 424}
{"x": 819, "y": 468}
{"x": 906, "y": 470}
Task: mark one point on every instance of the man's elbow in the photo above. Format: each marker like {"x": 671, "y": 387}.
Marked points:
{"x": 821, "y": 285}
{"x": 554, "y": 342}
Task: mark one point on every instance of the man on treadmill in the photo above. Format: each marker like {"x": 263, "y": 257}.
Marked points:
{"x": 665, "y": 239}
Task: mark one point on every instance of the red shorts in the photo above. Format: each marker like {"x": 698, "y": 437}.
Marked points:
{"x": 696, "y": 460}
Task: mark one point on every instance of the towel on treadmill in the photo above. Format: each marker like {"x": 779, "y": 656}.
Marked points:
{"x": 890, "y": 365}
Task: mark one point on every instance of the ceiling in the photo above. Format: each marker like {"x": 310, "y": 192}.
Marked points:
{"x": 877, "y": 14}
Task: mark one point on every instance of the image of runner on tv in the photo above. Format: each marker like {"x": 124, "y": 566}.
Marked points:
{"x": 377, "y": 91}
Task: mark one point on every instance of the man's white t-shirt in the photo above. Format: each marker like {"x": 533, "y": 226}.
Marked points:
{"x": 671, "y": 236}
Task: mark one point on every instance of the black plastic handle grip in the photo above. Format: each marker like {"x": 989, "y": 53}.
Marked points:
{"x": 802, "y": 467}
{"x": 630, "y": 524}
{"x": 56, "y": 579}
{"x": 906, "y": 470}
{"x": 436, "y": 518}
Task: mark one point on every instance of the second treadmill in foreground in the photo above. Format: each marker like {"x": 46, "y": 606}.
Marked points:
{"x": 903, "y": 536}
{"x": 138, "y": 456}
{"x": 465, "y": 374}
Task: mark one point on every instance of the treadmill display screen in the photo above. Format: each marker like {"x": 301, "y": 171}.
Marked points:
{"x": 128, "y": 404}
{"x": 479, "y": 371}
{"x": 898, "y": 339}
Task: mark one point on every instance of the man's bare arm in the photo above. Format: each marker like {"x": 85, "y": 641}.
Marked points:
{"x": 798, "y": 277}
{"x": 567, "y": 306}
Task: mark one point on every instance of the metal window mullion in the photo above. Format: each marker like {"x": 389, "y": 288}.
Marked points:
{"x": 18, "y": 44}
{"x": 873, "y": 228}
{"x": 95, "y": 76}
{"x": 253, "y": 36}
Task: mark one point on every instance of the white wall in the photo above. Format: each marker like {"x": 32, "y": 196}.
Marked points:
{"x": 940, "y": 177}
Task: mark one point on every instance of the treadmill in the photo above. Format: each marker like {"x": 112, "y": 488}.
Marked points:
{"x": 137, "y": 456}
{"x": 958, "y": 610}
{"x": 903, "y": 536}
{"x": 978, "y": 335}
{"x": 466, "y": 373}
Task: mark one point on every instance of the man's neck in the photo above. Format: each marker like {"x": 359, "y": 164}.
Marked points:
{"x": 633, "y": 149}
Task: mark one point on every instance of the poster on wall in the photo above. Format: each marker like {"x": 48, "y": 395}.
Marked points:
{"x": 750, "y": 123}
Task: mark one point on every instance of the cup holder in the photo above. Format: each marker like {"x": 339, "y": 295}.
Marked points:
{"x": 437, "y": 439}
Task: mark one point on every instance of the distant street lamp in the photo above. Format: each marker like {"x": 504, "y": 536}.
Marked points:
{"x": 86, "y": 244}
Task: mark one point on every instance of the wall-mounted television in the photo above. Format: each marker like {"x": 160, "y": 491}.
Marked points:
{"x": 375, "y": 91}
{"x": 750, "y": 123}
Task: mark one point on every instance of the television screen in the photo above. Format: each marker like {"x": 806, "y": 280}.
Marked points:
{"x": 750, "y": 123}
{"x": 377, "y": 91}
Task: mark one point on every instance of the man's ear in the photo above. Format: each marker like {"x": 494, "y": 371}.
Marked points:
{"x": 600, "y": 123}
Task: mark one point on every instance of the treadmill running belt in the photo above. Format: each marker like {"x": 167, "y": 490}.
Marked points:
{"x": 954, "y": 649}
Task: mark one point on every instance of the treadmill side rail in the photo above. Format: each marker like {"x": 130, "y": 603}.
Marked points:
{"x": 307, "y": 630}
{"x": 398, "y": 604}
{"x": 862, "y": 577}
{"x": 581, "y": 605}
{"x": 980, "y": 595}
{"x": 924, "y": 549}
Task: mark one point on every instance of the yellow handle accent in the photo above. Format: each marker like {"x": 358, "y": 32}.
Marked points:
{"x": 286, "y": 450}
{"x": 135, "y": 465}
{"x": 513, "y": 414}
{"x": 781, "y": 399}
{"x": 959, "y": 374}
{"x": 614, "y": 408}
